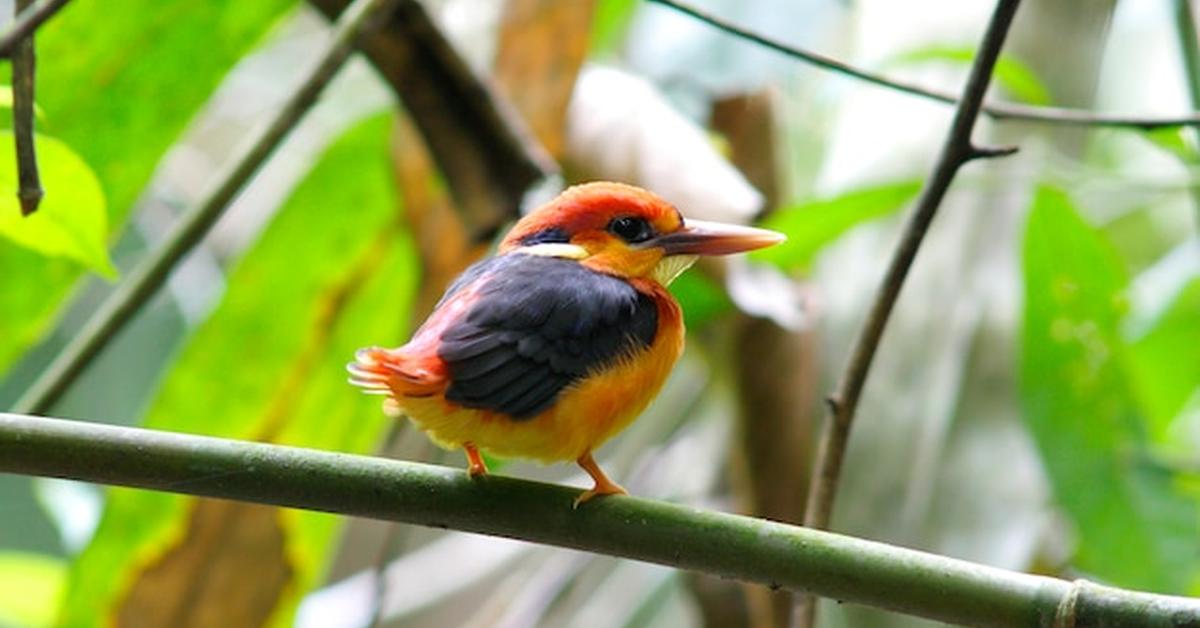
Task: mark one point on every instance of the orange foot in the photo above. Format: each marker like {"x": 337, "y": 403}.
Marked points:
{"x": 475, "y": 465}
{"x": 604, "y": 486}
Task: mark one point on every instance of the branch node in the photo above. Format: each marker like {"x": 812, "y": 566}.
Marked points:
{"x": 1064, "y": 615}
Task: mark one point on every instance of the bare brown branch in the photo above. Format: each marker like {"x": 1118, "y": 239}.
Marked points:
{"x": 29, "y": 183}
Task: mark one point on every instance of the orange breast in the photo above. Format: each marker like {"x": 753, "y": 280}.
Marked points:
{"x": 586, "y": 414}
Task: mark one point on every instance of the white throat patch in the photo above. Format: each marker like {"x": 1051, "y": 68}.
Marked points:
{"x": 671, "y": 266}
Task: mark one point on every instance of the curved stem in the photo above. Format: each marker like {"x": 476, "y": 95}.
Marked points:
{"x": 998, "y": 111}
{"x": 956, "y": 151}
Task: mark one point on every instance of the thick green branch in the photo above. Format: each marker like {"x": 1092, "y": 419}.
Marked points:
{"x": 841, "y": 567}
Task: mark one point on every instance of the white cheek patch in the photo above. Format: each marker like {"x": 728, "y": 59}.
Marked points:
{"x": 555, "y": 249}
{"x": 671, "y": 266}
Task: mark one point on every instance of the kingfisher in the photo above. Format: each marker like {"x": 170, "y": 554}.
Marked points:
{"x": 559, "y": 341}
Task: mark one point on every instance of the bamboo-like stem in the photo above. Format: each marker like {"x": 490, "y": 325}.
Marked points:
{"x": 150, "y": 273}
{"x": 845, "y": 568}
{"x": 24, "y": 62}
{"x": 995, "y": 110}
{"x": 956, "y": 151}
{"x": 28, "y": 21}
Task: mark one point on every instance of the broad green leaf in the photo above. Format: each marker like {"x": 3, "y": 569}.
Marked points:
{"x": 1136, "y": 526}
{"x": 1014, "y": 77}
{"x": 333, "y": 272}
{"x": 118, "y": 83}
{"x": 30, "y": 585}
{"x": 71, "y": 221}
{"x": 812, "y": 225}
{"x": 1163, "y": 361}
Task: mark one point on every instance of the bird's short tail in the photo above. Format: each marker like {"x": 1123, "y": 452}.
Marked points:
{"x": 381, "y": 371}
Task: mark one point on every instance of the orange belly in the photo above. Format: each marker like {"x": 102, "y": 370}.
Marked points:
{"x": 586, "y": 414}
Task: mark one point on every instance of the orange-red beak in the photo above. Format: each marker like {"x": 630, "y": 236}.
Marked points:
{"x": 700, "y": 237}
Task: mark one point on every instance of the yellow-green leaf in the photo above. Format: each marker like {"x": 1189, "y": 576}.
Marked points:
{"x": 120, "y": 101}
{"x": 30, "y": 585}
{"x": 72, "y": 220}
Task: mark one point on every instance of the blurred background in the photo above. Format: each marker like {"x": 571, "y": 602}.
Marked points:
{"x": 1035, "y": 404}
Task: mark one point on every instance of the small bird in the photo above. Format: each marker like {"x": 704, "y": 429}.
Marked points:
{"x": 560, "y": 340}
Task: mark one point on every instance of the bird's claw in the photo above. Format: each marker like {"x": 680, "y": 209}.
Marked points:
{"x": 611, "y": 488}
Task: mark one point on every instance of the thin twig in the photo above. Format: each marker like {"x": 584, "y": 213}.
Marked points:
{"x": 685, "y": 537}
{"x": 956, "y": 151}
{"x": 29, "y": 183}
{"x": 27, "y": 21}
{"x": 150, "y": 273}
{"x": 998, "y": 111}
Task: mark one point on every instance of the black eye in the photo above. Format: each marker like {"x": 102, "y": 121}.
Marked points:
{"x": 631, "y": 229}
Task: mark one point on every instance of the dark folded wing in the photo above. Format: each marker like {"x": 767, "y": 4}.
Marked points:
{"x": 535, "y": 326}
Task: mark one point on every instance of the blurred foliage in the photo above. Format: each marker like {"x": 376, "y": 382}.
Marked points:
{"x": 1179, "y": 142}
{"x": 278, "y": 344}
{"x": 72, "y": 220}
{"x": 812, "y": 225}
{"x": 1169, "y": 388}
{"x": 1137, "y": 523}
{"x": 1114, "y": 407}
{"x": 1014, "y": 77}
{"x": 120, "y": 102}
{"x": 608, "y": 24}
{"x": 30, "y": 585}
{"x": 702, "y": 299}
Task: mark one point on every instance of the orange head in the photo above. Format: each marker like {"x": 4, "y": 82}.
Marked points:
{"x": 627, "y": 232}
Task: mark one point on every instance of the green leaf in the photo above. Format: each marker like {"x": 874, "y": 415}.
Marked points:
{"x": 812, "y": 225}
{"x": 1136, "y": 525}
{"x": 1016, "y": 78}
{"x": 6, "y": 102}
{"x": 71, "y": 221}
{"x": 334, "y": 271}
{"x": 120, "y": 101}
{"x": 1163, "y": 370}
{"x": 1175, "y": 140}
{"x": 702, "y": 299}
{"x": 30, "y": 585}
{"x": 610, "y": 19}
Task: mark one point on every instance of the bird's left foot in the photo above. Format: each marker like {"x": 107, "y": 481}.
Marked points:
{"x": 604, "y": 486}
{"x": 475, "y": 464}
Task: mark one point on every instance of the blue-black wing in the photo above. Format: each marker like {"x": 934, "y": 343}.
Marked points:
{"x": 537, "y": 325}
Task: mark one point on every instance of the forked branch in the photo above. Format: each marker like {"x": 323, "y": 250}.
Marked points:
{"x": 956, "y": 151}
